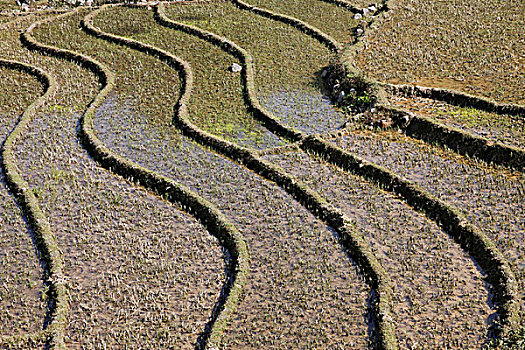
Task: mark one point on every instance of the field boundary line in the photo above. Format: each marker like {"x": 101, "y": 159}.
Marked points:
{"x": 427, "y": 130}
{"x": 456, "y": 98}
{"x": 45, "y": 241}
{"x": 459, "y": 141}
{"x": 471, "y": 239}
{"x": 247, "y": 73}
{"x": 302, "y": 26}
{"x": 495, "y": 265}
{"x": 353, "y": 242}
{"x": 202, "y": 210}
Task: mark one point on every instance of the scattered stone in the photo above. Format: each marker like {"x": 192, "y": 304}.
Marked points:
{"x": 366, "y": 12}
{"x": 358, "y": 16}
{"x": 405, "y": 120}
{"x": 384, "y": 124}
{"x": 235, "y": 68}
{"x": 372, "y": 8}
{"x": 340, "y": 97}
{"x": 359, "y": 31}
{"x": 25, "y": 7}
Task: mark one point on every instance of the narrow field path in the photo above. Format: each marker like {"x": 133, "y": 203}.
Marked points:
{"x": 288, "y": 247}
{"x": 504, "y": 128}
{"x": 248, "y": 35}
{"x": 490, "y": 197}
{"x": 22, "y": 297}
{"x": 130, "y": 257}
{"x": 336, "y": 21}
{"x": 286, "y": 74}
{"x": 440, "y": 296}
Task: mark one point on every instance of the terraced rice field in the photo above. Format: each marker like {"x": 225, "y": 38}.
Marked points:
{"x": 175, "y": 176}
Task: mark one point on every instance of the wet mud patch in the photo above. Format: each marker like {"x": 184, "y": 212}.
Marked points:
{"x": 306, "y": 110}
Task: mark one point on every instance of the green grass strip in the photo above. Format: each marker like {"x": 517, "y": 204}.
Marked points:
{"x": 472, "y": 240}
{"x": 357, "y": 247}
{"x": 45, "y": 241}
{"x": 247, "y": 74}
{"x": 173, "y": 192}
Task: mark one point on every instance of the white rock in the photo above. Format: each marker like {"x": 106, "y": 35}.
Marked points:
{"x": 25, "y": 7}
{"x": 366, "y": 12}
{"x": 359, "y": 31}
{"x": 372, "y": 8}
{"x": 358, "y": 16}
{"x": 235, "y": 68}
{"x": 340, "y": 97}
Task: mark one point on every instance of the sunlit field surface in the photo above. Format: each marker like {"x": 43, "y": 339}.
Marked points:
{"x": 201, "y": 175}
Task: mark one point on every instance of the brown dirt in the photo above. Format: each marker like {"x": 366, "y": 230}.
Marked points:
{"x": 440, "y": 298}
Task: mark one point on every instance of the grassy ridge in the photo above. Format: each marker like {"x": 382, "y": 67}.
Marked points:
{"x": 504, "y": 128}
{"x": 24, "y": 294}
{"x": 338, "y": 22}
{"x": 264, "y": 337}
{"x": 212, "y": 78}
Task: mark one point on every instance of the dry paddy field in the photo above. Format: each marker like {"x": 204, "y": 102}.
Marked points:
{"x": 175, "y": 175}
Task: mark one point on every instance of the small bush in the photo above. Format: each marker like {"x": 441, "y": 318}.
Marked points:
{"x": 350, "y": 89}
